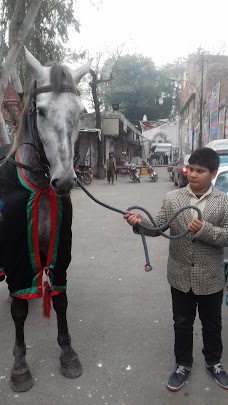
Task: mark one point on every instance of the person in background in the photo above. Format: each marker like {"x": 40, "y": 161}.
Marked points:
{"x": 166, "y": 159}
{"x": 111, "y": 168}
{"x": 77, "y": 156}
{"x": 195, "y": 265}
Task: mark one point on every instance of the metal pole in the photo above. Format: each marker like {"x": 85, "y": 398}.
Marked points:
{"x": 201, "y": 103}
{"x": 193, "y": 139}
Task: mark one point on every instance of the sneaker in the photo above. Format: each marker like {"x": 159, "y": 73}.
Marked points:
{"x": 219, "y": 374}
{"x": 178, "y": 378}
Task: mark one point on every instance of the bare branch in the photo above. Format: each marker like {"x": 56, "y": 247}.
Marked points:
{"x": 14, "y": 19}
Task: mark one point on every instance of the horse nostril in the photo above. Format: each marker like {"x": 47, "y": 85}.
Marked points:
{"x": 54, "y": 184}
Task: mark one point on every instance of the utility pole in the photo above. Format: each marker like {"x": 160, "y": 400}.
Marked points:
{"x": 100, "y": 141}
{"x": 201, "y": 101}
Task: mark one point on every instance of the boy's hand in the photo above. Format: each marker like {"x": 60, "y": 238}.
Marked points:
{"x": 195, "y": 225}
{"x": 132, "y": 218}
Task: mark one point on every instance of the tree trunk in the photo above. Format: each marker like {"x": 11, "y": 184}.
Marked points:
{"x": 4, "y": 137}
{"x": 100, "y": 142}
{"x": 16, "y": 81}
{"x": 16, "y": 44}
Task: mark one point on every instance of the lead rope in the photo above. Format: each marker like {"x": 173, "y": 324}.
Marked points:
{"x": 142, "y": 227}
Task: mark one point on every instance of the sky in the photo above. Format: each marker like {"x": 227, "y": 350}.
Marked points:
{"x": 160, "y": 29}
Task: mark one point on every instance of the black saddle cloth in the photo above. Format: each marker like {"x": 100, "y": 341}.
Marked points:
{"x": 19, "y": 244}
{"x": 4, "y": 150}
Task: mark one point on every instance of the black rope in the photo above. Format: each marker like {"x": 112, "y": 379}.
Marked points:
{"x": 142, "y": 227}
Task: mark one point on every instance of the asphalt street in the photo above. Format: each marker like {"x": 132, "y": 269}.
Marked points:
{"x": 119, "y": 316}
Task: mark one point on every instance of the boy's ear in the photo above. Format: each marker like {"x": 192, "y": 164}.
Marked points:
{"x": 213, "y": 174}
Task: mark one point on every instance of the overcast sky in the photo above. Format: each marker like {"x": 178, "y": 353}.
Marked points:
{"x": 161, "y": 29}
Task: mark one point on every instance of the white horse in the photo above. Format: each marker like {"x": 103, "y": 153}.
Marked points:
{"x": 35, "y": 181}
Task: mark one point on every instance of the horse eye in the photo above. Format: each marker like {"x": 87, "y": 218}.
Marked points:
{"x": 41, "y": 111}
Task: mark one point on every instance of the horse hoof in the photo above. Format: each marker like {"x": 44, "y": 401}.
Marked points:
{"x": 71, "y": 368}
{"x": 21, "y": 382}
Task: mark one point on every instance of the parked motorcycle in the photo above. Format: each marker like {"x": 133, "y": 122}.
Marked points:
{"x": 133, "y": 172}
{"x": 152, "y": 174}
{"x": 84, "y": 174}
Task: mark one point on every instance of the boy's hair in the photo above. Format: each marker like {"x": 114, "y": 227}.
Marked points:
{"x": 205, "y": 157}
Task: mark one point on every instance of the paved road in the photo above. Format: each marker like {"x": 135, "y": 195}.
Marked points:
{"x": 120, "y": 317}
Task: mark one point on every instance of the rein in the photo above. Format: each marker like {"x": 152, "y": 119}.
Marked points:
{"x": 142, "y": 228}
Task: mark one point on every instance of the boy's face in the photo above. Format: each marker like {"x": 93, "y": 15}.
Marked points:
{"x": 199, "y": 177}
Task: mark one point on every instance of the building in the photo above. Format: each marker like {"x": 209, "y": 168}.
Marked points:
{"x": 160, "y": 137}
{"x": 120, "y": 137}
{"x": 11, "y": 109}
{"x": 203, "y": 85}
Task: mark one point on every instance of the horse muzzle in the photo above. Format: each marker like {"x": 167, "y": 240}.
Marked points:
{"x": 62, "y": 187}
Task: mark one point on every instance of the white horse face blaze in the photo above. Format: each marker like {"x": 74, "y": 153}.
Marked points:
{"x": 58, "y": 127}
{"x": 58, "y": 117}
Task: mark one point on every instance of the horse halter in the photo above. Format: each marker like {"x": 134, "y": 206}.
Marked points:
{"x": 32, "y": 110}
{"x": 33, "y": 132}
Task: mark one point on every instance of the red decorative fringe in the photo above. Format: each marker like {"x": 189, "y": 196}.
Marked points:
{"x": 47, "y": 300}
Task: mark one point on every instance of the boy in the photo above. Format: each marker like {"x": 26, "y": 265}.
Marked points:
{"x": 195, "y": 265}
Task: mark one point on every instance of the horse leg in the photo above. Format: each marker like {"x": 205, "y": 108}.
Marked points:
{"x": 21, "y": 379}
{"x": 70, "y": 364}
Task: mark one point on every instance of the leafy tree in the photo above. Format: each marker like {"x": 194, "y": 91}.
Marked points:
{"x": 138, "y": 85}
{"x": 47, "y": 24}
{"x": 171, "y": 71}
{"x": 10, "y": 52}
{"x": 100, "y": 77}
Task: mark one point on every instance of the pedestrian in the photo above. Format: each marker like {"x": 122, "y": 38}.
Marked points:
{"x": 166, "y": 158}
{"x": 111, "y": 168}
{"x": 195, "y": 265}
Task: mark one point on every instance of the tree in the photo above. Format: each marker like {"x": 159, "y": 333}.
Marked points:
{"x": 135, "y": 83}
{"x": 98, "y": 79}
{"x": 174, "y": 70}
{"x": 18, "y": 31}
{"x": 47, "y": 23}
{"x": 139, "y": 85}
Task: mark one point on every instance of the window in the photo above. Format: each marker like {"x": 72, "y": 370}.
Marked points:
{"x": 221, "y": 182}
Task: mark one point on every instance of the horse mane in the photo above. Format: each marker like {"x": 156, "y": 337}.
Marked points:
{"x": 59, "y": 74}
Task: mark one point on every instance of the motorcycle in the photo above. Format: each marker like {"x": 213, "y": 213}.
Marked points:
{"x": 84, "y": 174}
{"x": 134, "y": 175}
{"x": 153, "y": 175}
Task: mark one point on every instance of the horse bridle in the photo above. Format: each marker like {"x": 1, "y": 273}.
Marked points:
{"x": 33, "y": 130}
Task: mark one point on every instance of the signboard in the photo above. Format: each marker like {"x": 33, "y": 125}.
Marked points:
{"x": 125, "y": 126}
{"x": 205, "y": 135}
{"x": 110, "y": 126}
{"x": 221, "y": 123}
{"x": 214, "y": 106}
{"x": 226, "y": 125}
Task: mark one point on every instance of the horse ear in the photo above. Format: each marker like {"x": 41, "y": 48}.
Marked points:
{"x": 36, "y": 66}
{"x": 80, "y": 72}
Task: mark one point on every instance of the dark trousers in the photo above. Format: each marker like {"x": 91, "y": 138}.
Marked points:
{"x": 184, "y": 312}
{"x": 110, "y": 175}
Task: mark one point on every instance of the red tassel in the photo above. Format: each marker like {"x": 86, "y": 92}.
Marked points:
{"x": 47, "y": 300}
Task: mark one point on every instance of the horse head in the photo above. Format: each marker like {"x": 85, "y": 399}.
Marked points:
{"x": 58, "y": 110}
